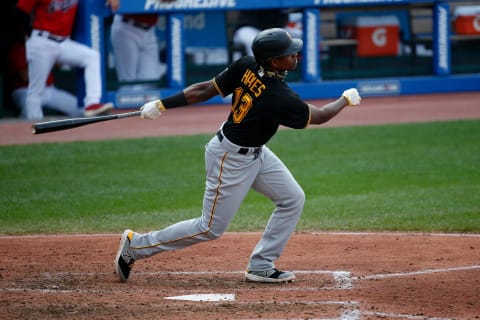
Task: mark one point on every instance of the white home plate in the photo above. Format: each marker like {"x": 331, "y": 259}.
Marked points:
{"x": 204, "y": 297}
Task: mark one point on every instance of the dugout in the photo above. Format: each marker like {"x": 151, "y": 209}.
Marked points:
{"x": 431, "y": 56}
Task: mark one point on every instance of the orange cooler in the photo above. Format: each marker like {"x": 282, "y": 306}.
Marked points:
{"x": 467, "y": 20}
{"x": 376, "y": 35}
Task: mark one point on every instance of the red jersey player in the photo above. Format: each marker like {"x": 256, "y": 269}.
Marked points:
{"x": 48, "y": 44}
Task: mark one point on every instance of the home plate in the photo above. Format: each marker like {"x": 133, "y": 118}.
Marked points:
{"x": 204, "y": 297}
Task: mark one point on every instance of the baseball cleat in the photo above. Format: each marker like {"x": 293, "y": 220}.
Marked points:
{"x": 124, "y": 261}
{"x": 98, "y": 109}
{"x": 272, "y": 275}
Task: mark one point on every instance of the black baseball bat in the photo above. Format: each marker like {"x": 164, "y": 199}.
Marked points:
{"x": 50, "y": 126}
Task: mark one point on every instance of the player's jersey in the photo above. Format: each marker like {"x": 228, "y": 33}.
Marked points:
{"x": 54, "y": 16}
{"x": 260, "y": 104}
{"x": 145, "y": 19}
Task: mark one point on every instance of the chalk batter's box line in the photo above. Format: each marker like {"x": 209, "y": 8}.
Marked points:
{"x": 338, "y": 275}
{"x": 415, "y": 273}
{"x": 343, "y": 279}
{"x": 351, "y": 309}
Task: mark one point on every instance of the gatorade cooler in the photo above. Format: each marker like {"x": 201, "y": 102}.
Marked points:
{"x": 376, "y": 35}
{"x": 467, "y": 20}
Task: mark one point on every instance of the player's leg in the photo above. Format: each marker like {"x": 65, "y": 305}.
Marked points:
{"x": 277, "y": 183}
{"x": 41, "y": 55}
{"x": 150, "y": 67}
{"x": 125, "y": 43}
{"x": 228, "y": 179}
{"x": 79, "y": 55}
{"x": 61, "y": 100}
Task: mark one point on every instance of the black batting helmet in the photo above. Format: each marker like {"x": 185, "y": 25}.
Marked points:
{"x": 274, "y": 42}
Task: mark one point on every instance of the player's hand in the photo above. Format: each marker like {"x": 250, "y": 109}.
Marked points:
{"x": 152, "y": 110}
{"x": 352, "y": 96}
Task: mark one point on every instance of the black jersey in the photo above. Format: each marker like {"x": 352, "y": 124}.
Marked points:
{"x": 260, "y": 104}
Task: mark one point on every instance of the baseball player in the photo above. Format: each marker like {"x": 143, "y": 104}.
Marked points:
{"x": 52, "y": 97}
{"x": 237, "y": 158}
{"x": 135, "y": 48}
{"x": 49, "y": 43}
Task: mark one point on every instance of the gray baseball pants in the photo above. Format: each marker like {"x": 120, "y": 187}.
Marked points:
{"x": 229, "y": 177}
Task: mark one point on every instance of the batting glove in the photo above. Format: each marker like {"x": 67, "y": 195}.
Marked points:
{"x": 352, "y": 96}
{"x": 152, "y": 110}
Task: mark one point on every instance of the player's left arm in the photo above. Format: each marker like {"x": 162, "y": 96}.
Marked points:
{"x": 319, "y": 115}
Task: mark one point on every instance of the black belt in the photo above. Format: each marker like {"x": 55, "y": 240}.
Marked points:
{"x": 241, "y": 150}
{"x": 50, "y": 36}
{"x": 144, "y": 26}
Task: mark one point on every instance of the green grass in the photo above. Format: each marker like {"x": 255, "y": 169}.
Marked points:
{"x": 413, "y": 177}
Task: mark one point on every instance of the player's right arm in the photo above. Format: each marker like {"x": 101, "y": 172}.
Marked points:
{"x": 319, "y": 115}
{"x": 200, "y": 92}
{"x": 195, "y": 93}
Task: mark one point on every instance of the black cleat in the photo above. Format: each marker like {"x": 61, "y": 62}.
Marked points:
{"x": 124, "y": 261}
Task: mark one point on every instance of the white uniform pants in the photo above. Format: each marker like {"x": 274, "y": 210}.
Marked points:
{"x": 43, "y": 53}
{"x": 52, "y": 97}
{"x": 136, "y": 52}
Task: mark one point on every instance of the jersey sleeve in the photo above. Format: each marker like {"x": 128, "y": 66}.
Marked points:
{"x": 227, "y": 80}
{"x": 222, "y": 82}
{"x": 220, "y": 88}
{"x": 293, "y": 111}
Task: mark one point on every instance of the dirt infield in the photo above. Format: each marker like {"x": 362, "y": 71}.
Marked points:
{"x": 342, "y": 276}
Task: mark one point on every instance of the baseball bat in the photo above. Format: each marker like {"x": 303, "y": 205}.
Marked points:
{"x": 50, "y": 126}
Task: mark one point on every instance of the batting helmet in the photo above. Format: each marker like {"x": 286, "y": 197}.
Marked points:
{"x": 274, "y": 42}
